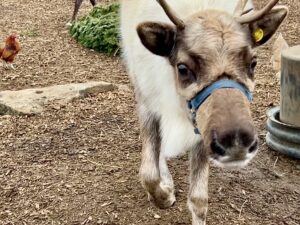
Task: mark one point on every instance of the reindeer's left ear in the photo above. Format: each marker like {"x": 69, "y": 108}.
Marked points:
{"x": 263, "y": 29}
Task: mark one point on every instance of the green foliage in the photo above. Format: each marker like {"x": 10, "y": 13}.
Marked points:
{"x": 99, "y": 29}
{"x": 29, "y": 33}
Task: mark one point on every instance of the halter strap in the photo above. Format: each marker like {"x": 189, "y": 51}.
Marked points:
{"x": 200, "y": 98}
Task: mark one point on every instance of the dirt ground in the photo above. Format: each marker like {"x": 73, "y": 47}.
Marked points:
{"x": 78, "y": 164}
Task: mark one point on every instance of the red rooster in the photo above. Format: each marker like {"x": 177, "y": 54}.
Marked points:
{"x": 9, "y": 50}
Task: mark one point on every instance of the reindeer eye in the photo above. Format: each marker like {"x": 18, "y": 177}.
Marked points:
{"x": 185, "y": 74}
{"x": 182, "y": 69}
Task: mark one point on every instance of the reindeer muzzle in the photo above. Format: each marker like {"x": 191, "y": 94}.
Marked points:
{"x": 200, "y": 98}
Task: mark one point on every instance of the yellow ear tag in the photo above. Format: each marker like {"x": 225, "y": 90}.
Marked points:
{"x": 258, "y": 34}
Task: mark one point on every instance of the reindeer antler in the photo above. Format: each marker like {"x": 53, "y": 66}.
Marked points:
{"x": 250, "y": 17}
{"x": 240, "y": 8}
{"x": 171, "y": 14}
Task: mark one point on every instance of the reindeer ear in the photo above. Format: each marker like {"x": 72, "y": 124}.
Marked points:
{"x": 159, "y": 38}
{"x": 263, "y": 29}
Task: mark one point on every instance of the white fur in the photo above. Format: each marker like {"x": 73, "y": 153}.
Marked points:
{"x": 154, "y": 76}
{"x": 199, "y": 190}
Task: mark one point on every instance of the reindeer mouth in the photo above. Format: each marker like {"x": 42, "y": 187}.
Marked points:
{"x": 234, "y": 157}
{"x": 228, "y": 163}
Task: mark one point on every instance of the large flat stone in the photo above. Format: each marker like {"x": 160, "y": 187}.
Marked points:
{"x": 32, "y": 101}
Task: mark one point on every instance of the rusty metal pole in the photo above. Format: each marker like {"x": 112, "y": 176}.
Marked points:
{"x": 290, "y": 86}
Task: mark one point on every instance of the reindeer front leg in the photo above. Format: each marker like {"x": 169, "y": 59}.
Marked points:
{"x": 154, "y": 173}
{"x": 76, "y": 9}
{"x": 198, "y": 193}
{"x": 93, "y": 2}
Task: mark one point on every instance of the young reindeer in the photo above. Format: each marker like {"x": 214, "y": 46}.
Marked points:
{"x": 77, "y": 6}
{"x": 192, "y": 64}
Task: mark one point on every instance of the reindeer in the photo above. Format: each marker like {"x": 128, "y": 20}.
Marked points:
{"x": 77, "y": 6}
{"x": 192, "y": 65}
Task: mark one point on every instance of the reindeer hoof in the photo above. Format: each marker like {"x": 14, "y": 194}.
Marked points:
{"x": 69, "y": 24}
{"x": 164, "y": 196}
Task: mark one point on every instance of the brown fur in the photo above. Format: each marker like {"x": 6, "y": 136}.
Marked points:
{"x": 219, "y": 50}
{"x": 77, "y": 6}
{"x": 225, "y": 109}
{"x": 212, "y": 46}
{"x": 198, "y": 200}
{"x": 149, "y": 171}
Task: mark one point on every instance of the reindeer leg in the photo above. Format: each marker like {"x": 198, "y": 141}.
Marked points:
{"x": 76, "y": 9}
{"x": 93, "y": 2}
{"x": 198, "y": 193}
{"x": 166, "y": 180}
{"x": 154, "y": 172}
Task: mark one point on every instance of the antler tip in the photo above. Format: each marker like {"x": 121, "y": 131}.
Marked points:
{"x": 171, "y": 14}
{"x": 257, "y": 14}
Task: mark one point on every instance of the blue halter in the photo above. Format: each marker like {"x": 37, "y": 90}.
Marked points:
{"x": 198, "y": 100}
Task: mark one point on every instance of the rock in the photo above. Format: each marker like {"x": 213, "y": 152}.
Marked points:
{"x": 125, "y": 88}
{"x": 156, "y": 216}
{"x": 32, "y": 101}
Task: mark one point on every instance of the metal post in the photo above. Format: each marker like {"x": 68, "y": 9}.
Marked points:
{"x": 290, "y": 86}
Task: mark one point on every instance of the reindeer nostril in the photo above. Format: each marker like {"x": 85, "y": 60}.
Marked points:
{"x": 253, "y": 147}
{"x": 217, "y": 148}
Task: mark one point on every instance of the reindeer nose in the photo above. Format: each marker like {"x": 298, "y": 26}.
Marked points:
{"x": 239, "y": 142}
